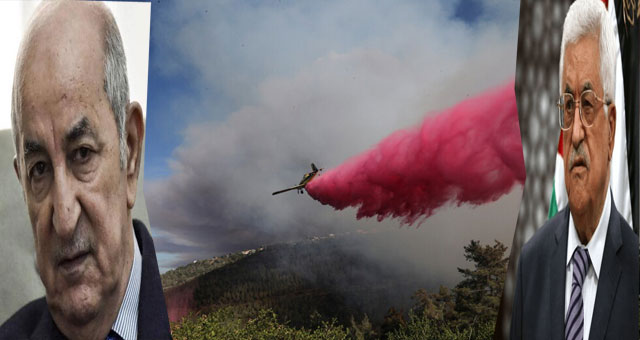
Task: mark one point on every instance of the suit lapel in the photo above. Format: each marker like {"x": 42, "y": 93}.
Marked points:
{"x": 557, "y": 272}
{"x": 153, "y": 321}
{"x": 610, "y": 271}
{"x": 46, "y": 327}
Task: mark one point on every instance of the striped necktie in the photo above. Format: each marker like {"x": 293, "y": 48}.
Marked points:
{"x": 113, "y": 336}
{"x": 574, "y": 322}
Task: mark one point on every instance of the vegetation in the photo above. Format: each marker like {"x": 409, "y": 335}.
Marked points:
{"x": 476, "y": 299}
{"x": 225, "y": 324}
{"x": 284, "y": 307}
{"x": 296, "y": 280}
{"x": 178, "y": 276}
{"x": 469, "y": 311}
{"x": 424, "y": 328}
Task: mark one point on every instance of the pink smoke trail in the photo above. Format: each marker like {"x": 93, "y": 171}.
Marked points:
{"x": 470, "y": 153}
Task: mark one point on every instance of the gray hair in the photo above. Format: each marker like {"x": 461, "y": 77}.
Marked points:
{"x": 587, "y": 17}
{"x": 116, "y": 83}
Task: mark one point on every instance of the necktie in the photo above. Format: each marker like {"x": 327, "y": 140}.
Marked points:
{"x": 574, "y": 322}
{"x": 113, "y": 336}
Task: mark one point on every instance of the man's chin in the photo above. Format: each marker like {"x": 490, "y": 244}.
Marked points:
{"x": 78, "y": 305}
{"x": 578, "y": 201}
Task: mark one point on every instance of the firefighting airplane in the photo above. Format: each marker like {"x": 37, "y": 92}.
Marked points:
{"x": 305, "y": 180}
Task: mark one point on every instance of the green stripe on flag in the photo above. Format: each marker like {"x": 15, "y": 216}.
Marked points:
{"x": 553, "y": 207}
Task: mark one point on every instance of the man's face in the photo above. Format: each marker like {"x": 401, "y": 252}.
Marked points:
{"x": 68, "y": 164}
{"x": 587, "y": 150}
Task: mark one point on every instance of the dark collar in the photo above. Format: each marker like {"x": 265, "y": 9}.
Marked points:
{"x": 153, "y": 321}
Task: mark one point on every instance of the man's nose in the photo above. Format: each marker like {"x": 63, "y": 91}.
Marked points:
{"x": 577, "y": 129}
{"x": 66, "y": 208}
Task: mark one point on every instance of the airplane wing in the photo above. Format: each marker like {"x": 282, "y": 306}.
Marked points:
{"x": 288, "y": 189}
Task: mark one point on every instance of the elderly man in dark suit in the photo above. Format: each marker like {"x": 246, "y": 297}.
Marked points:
{"x": 578, "y": 275}
{"x": 78, "y": 150}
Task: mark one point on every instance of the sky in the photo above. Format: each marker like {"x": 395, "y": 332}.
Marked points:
{"x": 244, "y": 95}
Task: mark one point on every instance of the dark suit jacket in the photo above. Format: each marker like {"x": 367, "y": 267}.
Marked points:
{"x": 538, "y": 308}
{"x": 34, "y": 321}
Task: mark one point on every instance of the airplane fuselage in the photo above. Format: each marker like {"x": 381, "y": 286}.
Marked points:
{"x": 305, "y": 180}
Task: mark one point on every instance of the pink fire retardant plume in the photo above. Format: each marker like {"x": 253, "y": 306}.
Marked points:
{"x": 470, "y": 153}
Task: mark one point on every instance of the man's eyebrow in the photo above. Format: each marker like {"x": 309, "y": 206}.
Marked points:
{"x": 81, "y": 129}
{"x": 32, "y": 147}
{"x": 568, "y": 89}
{"x": 587, "y": 86}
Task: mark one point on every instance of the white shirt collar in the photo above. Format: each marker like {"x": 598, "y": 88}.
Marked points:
{"x": 596, "y": 244}
{"x": 126, "y": 324}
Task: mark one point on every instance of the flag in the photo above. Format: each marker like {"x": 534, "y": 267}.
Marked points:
{"x": 559, "y": 196}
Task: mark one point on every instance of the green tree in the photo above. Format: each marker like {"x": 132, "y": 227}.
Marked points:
{"x": 477, "y": 296}
{"x": 435, "y": 306}
{"x": 363, "y": 330}
{"x": 392, "y": 321}
{"x": 474, "y": 302}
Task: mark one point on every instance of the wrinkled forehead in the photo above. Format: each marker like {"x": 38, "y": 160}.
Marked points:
{"x": 62, "y": 52}
{"x": 61, "y": 63}
{"x": 61, "y": 58}
{"x": 581, "y": 69}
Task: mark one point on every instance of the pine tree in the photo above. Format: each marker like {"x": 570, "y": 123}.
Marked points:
{"x": 392, "y": 321}
{"x": 477, "y": 296}
{"x": 475, "y": 300}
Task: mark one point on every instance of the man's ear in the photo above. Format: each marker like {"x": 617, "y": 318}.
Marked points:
{"x": 612, "y": 128}
{"x": 134, "y": 128}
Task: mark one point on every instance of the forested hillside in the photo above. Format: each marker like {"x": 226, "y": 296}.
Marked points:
{"x": 325, "y": 289}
